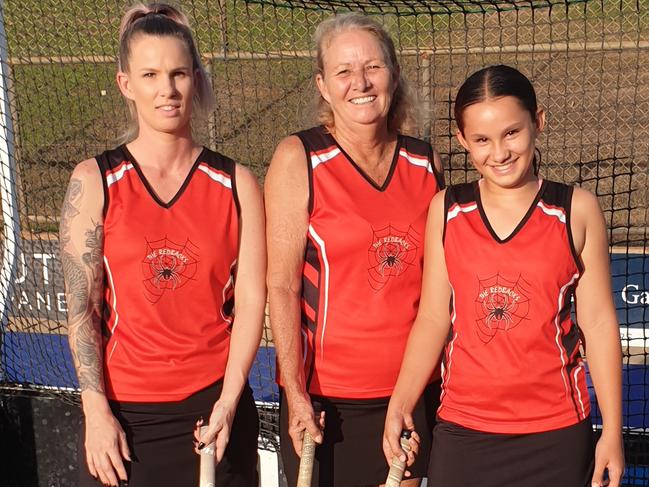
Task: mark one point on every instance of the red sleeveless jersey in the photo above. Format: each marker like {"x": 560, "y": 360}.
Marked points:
{"x": 169, "y": 271}
{"x": 363, "y": 265}
{"x": 512, "y": 363}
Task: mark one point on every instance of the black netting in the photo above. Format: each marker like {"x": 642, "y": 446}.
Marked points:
{"x": 589, "y": 61}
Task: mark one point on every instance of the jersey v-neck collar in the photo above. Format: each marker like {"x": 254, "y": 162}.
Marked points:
{"x": 521, "y": 224}
{"x": 393, "y": 164}
{"x": 166, "y": 205}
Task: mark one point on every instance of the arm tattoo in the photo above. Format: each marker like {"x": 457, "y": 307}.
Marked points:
{"x": 84, "y": 276}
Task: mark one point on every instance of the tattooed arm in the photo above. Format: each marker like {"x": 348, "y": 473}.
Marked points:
{"x": 81, "y": 243}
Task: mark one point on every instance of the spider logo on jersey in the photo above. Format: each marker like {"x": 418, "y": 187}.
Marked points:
{"x": 167, "y": 266}
{"x": 501, "y": 305}
{"x": 390, "y": 254}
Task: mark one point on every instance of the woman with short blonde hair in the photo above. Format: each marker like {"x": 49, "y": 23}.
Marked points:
{"x": 346, "y": 204}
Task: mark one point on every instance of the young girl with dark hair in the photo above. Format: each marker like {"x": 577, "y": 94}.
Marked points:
{"x": 510, "y": 252}
{"x": 162, "y": 244}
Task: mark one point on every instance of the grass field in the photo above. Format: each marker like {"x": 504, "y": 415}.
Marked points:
{"x": 595, "y": 88}
{"x": 597, "y": 99}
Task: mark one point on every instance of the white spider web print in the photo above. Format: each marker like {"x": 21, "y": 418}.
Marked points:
{"x": 501, "y": 305}
{"x": 391, "y": 253}
{"x": 167, "y": 266}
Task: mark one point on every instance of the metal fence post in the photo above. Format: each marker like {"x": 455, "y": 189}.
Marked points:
{"x": 8, "y": 189}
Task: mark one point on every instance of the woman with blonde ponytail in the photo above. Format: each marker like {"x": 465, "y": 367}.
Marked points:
{"x": 162, "y": 244}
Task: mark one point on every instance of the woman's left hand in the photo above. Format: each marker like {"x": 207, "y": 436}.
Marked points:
{"x": 218, "y": 431}
{"x": 609, "y": 455}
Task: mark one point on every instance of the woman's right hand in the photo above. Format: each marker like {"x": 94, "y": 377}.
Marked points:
{"x": 301, "y": 418}
{"x": 106, "y": 447}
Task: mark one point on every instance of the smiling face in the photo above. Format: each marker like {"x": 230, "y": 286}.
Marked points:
{"x": 356, "y": 80}
{"x": 500, "y": 136}
{"x": 161, "y": 83}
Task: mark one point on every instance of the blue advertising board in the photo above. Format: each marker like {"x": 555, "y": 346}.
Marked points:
{"x": 44, "y": 359}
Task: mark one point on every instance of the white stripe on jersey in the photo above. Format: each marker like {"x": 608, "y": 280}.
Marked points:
{"x": 323, "y": 252}
{"x": 113, "y": 304}
{"x": 562, "y": 296}
{"x": 451, "y": 344}
{"x": 581, "y": 402}
{"x": 317, "y": 159}
{"x": 456, "y": 209}
{"x": 216, "y": 176}
{"x": 416, "y": 161}
{"x": 112, "y": 350}
{"x": 556, "y": 212}
{"x": 305, "y": 344}
{"x": 118, "y": 174}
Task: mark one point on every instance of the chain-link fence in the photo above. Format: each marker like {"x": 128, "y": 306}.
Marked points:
{"x": 589, "y": 61}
